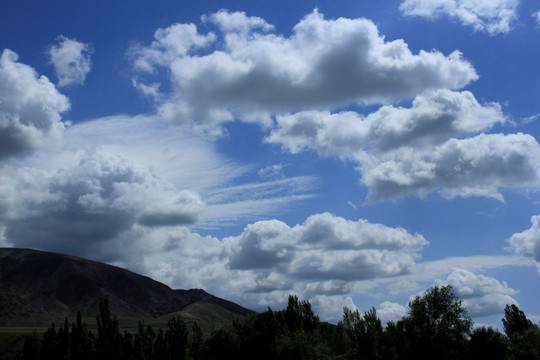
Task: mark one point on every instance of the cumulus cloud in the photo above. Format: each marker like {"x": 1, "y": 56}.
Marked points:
{"x": 527, "y": 243}
{"x": 493, "y": 16}
{"x": 325, "y": 249}
{"x": 94, "y": 200}
{"x": 422, "y": 149}
{"x": 237, "y": 22}
{"x": 187, "y": 159}
{"x": 433, "y": 118}
{"x": 391, "y": 311}
{"x": 265, "y": 261}
{"x": 30, "y": 108}
{"x": 245, "y": 71}
{"x": 330, "y": 308}
{"x": 482, "y": 295}
{"x": 111, "y": 182}
{"x": 270, "y": 260}
{"x": 71, "y": 61}
{"x": 476, "y": 166}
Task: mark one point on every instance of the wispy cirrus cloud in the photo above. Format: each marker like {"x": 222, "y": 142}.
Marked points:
{"x": 536, "y": 16}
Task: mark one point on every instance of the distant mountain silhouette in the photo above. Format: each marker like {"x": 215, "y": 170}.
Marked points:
{"x": 38, "y": 287}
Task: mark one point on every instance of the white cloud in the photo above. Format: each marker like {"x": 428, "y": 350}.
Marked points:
{"x": 253, "y": 74}
{"x": 30, "y": 108}
{"x": 189, "y": 160}
{"x": 330, "y": 308}
{"x": 325, "y": 247}
{"x": 90, "y": 201}
{"x": 530, "y": 119}
{"x": 481, "y": 295}
{"x": 237, "y": 22}
{"x": 71, "y": 61}
{"x": 536, "y": 17}
{"x": 432, "y": 119}
{"x": 527, "y": 243}
{"x": 476, "y": 166}
{"x": 431, "y": 270}
{"x": 491, "y": 16}
{"x": 109, "y": 177}
{"x": 391, "y": 311}
{"x": 268, "y": 260}
{"x": 421, "y": 149}
{"x": 271, "y": 171}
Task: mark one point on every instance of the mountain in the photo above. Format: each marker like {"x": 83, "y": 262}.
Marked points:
{"x": 38, "y": 287}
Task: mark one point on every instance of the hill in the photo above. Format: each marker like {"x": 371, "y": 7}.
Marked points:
{"x": 38, "y": 287}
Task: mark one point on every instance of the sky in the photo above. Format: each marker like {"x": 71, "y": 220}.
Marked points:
{"x": 354, "y": 153}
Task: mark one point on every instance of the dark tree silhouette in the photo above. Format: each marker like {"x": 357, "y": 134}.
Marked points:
{"x": 109, "y": 341}
{"x": 437, "y": 325}
{"x": 515, "y": 321}
{"x": 487, "y": 343}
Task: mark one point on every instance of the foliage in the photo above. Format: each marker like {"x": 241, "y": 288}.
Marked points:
{"x": 436, "y": 327}
{"x": 487, "y": 343}
{"x": 522, "y": 334}
{"x": 515, "y": 321}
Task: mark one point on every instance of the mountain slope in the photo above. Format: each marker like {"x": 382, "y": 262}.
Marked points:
{"x": 37, "y": 287}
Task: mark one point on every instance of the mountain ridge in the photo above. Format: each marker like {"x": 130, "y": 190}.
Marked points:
{"x": 37, "y": 287}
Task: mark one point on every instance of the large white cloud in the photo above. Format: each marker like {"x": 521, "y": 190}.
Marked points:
{"x": 71, "y": 61}
{"x": 482, "y": 295}
{"x": 527, "y": 243}
{"x": 247, "y": 72}
{"x": 189, "y": 160}
{"x": 320, "y": 259}
{"x": 422, "y": 149}
{"x": 476, "y": 166}
{"x": 432, "y": 119}
{"x": 95, "y": 199}
{"x": 109, "y": 177}
{"x": 30, "y": 108}
{"x": 492, "y": 16}
{"x": 325, "y": 247}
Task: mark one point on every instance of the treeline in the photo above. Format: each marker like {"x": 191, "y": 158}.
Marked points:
{"x": 435, "y": 327}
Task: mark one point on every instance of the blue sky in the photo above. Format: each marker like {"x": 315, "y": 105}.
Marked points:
{"x": 354, "y": 153}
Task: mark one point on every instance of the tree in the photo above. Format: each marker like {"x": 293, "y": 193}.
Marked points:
{"x": 144, "y": 342}
{"x": 31, "y": 347}
{"x": 299, "y": 315}
{"x": 176, "y": 338}
{"x": 487, "y": 343}
{"x": 515, "y": 321}
{"x": 526, "y": 345}
{"x": 221, "y": 345}
{"x": 437, "y": 325}
{"x": 195, "y": 345}
{"x": 523, "y": 335}
{"x": 81, "y": 341}
{"x": 49, "y": 344}
{"x": 109, "y": 340}
{"x": 363, "y": 332}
